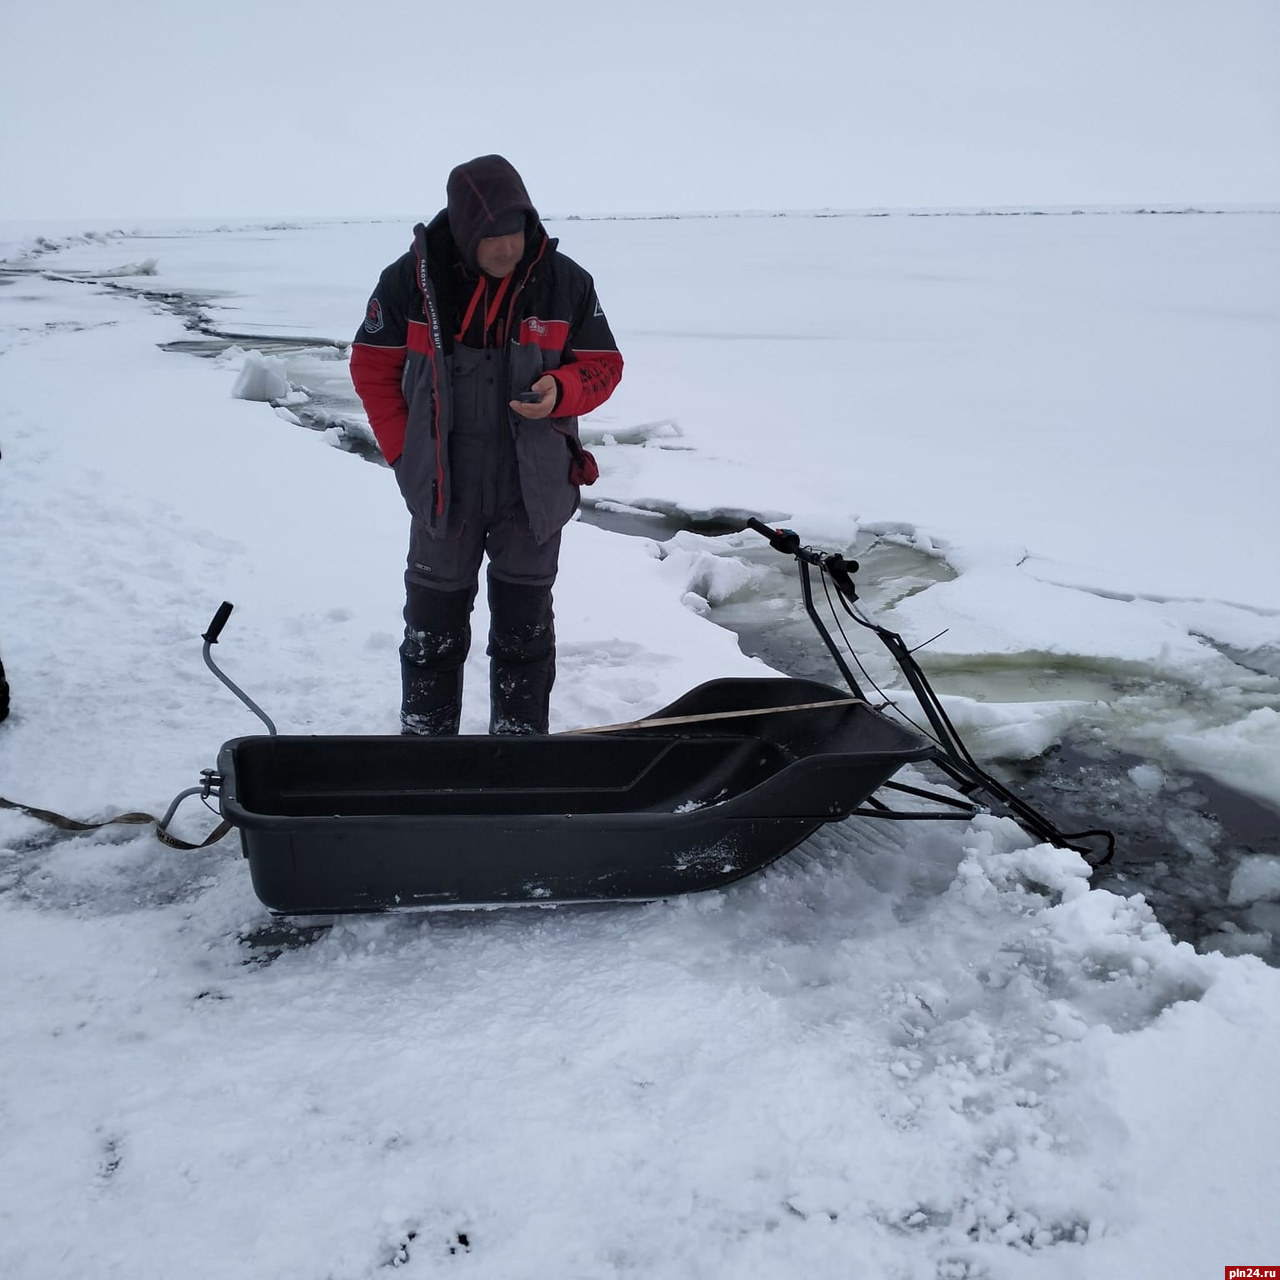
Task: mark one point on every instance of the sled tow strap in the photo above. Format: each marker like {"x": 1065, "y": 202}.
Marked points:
{"x": 131, "y": 819}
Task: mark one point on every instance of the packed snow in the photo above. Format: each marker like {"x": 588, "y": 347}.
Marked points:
{"x": 900, "y": 1053}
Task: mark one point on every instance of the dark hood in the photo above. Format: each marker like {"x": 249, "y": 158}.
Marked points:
{"x": 487, "y": 197}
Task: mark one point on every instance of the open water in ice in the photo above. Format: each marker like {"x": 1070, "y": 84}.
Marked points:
{"x": 1180, "y": 835}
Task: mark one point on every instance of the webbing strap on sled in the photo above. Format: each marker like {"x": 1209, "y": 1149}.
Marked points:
{"x": 662, "y": 722}
{"x": 130, "y": 819}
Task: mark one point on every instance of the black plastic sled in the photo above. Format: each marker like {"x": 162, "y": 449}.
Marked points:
{"x": 339, "y": 824}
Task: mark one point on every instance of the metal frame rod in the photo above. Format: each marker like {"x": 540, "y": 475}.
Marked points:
{"x": 210, "y": 638}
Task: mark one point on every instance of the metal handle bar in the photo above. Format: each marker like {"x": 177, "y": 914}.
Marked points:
{"x": 210, "y": 638}
{"x": 788, "y": 542}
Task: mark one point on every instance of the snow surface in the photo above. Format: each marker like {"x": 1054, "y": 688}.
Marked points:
{"x": 906, "y": 1053}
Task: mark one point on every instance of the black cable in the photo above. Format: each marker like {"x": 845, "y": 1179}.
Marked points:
{"x": 884, "y": 697}
{"x": 929, "y": 699}
{"x": 947, "y": 737}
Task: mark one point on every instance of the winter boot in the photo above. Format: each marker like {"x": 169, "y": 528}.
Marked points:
{"x": 522, "y": 657}
{"x": 437, "y": 635}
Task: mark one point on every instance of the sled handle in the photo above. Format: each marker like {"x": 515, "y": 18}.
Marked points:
{"x": 219, "y": 621}
{"x": 210, "y": 638}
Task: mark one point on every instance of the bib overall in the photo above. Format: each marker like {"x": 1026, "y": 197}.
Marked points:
{"x": 487, "y": 516}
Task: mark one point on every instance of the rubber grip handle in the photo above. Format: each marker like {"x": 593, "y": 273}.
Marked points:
{"x": 785, "y": 540}
{"x": 219, "y": 621}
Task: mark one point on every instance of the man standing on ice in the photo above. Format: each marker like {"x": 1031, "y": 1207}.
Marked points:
{"x": 479, "y": 350}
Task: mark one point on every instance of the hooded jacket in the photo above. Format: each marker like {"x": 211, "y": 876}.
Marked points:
{"x": 550, "y": 321}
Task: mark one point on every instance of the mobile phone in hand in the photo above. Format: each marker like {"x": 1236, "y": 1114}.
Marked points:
{"x": 528, "y": 397}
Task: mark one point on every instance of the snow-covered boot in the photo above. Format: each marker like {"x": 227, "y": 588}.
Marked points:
{"x": 437, "y": 635}
{"x": 522, "y": 657}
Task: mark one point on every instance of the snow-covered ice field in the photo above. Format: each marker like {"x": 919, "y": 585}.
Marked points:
{"x": 904, "y": 1053}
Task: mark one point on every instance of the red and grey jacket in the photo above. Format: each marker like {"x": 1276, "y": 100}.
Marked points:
{"x": 401, "y": 364}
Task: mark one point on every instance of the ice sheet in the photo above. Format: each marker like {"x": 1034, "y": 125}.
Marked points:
{"x": 927, "y": 1053}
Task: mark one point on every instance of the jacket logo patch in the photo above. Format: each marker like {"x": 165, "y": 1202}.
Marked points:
{"x": 550, "y": 335}
{"x": 373, "y": 322}
{"x": 599, "y": 311}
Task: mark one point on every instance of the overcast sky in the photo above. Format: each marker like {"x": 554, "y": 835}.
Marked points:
{"x": 169, "y": 108}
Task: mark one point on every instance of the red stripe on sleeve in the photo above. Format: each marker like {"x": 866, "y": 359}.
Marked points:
{"x": 376, "y": 372}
